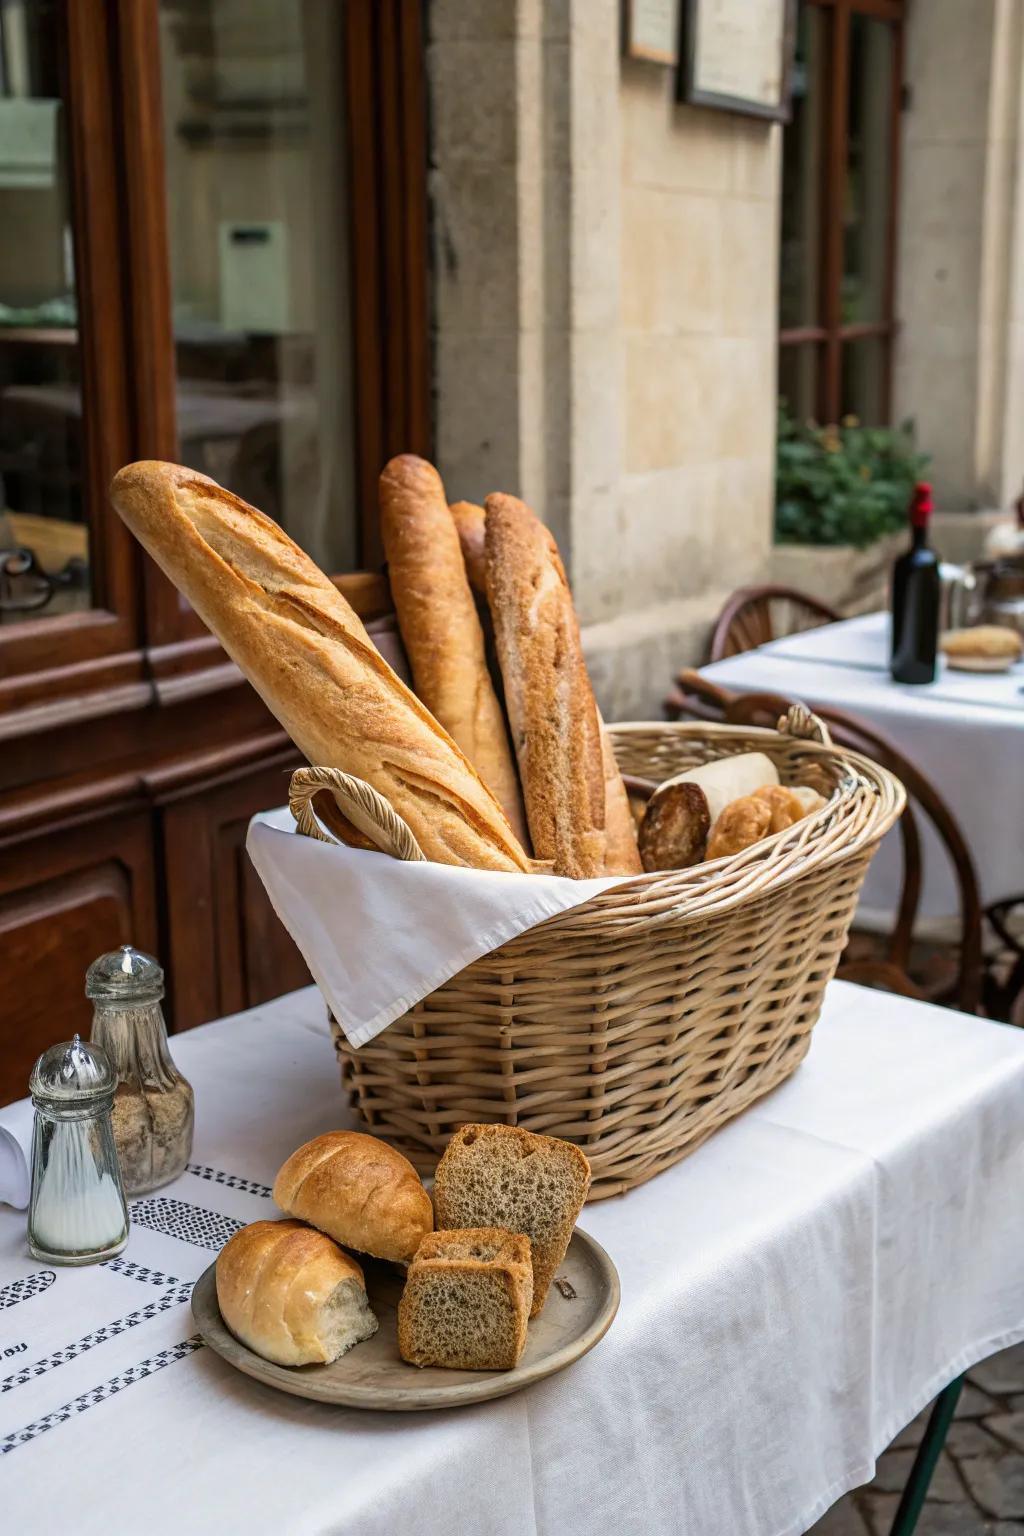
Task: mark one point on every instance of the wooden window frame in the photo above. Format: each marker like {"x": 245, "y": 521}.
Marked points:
{"x": 140, "y": 643}
{"x": 831, "y": 334}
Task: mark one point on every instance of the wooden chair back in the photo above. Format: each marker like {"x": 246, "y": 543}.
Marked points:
{"x": 755, "y": 615}
{"x": 695, "y": 697}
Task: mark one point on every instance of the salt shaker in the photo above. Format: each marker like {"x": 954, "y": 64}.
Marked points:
{"x": 153, "y": 1105}
{"x": 77, "y": 1212}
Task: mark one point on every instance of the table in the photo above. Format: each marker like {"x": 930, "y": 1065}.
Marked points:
{"x": 965, "y": 731}
{"x": 792, "y": 1294}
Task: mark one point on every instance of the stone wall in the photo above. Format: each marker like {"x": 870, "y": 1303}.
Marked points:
{"x": 604, "y": 320}
{"x": 960, "y": 352}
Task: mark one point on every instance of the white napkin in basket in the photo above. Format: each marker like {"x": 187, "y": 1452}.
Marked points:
{"x": 379, "y": 934}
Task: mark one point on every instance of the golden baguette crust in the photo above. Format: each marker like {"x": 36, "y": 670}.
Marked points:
{"x": 621, "y": 853}
{"x": 469, "y": 524}
{"x": 440, "y": 625}
{"x": 311, "y": 661}
{"x": 548, "y": 696}
{"x": 274, "y": 1280}
{"x": 358, "y": 1190}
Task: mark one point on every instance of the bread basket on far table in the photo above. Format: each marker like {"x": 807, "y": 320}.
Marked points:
{"x": 641, "y": 1021}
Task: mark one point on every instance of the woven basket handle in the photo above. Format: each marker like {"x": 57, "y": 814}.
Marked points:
{"x": 359, "y": 803}
{"x": 804, "y": 725}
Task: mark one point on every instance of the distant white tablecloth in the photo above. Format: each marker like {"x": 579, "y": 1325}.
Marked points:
{"x": 965, "y": 731}
{"x": 792, "y": 1295}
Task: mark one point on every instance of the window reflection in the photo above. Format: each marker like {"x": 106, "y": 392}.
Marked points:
{"x": 44, "y": 537}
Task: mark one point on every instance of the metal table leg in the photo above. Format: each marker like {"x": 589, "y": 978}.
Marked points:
{"x": 928, "y": 1453}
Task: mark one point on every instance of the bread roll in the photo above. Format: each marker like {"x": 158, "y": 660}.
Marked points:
{"x": 359, "y": 1191}
{"x": 809, "y": 798}
{"x": 311, "y": 661}
{"x": 548, "y": 696}
{"x": 466, "y": 1302}
{"x": 503, "y": 1176}
{"x": 982, "y": 647}
{"x": 742, "y": 823}
{"x": 469, "y": 524}
{"x": 291, "y": 1295}
{"x": 621, "y": 854}
{"x": 440, "y": 627}
{"x": 785, "y": 806}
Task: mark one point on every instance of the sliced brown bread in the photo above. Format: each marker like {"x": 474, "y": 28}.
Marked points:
{"x": 466, "y": 1301}
{"x": 503, "y": 1176}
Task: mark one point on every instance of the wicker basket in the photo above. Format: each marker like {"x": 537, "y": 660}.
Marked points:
{"x": 641, "y": 1021}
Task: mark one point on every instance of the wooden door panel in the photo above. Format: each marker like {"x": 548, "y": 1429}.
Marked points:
{"x": 227, "y": 948}
{"x": 64, "y": 900}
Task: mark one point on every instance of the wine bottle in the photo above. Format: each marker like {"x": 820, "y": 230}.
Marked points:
{"x": 915, "y": 599}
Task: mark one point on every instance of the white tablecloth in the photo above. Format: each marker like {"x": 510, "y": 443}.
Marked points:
{"x": 965, "y": 731}
{"x": 792, "y": 1295}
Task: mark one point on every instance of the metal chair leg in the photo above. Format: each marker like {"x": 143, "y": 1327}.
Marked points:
{"x": 916, "y": 1490}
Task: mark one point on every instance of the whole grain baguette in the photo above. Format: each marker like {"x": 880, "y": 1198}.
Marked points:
{"x": 440, "y": 626}
{"x": 311, "y": 661}
{"x": 550, "y": 703}
{"x": 469, "y": 525}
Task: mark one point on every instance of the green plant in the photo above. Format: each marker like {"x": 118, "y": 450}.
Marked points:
{"x": 844, "y": 484}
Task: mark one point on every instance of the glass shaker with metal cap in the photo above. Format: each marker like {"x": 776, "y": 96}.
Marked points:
{"x": 77, "y": 1212}
{"x": 153, "y": 1105}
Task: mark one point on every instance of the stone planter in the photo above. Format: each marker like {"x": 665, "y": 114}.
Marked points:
{"x": 850, "y": 580}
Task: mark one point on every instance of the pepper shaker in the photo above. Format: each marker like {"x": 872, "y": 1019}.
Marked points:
{"x": 153, "y": 1104}
{"x": 77, "y": 1212}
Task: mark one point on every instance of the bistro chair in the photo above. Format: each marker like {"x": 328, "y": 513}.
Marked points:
{"x": 695, "y": 697}
{"x": 755, "y": 615}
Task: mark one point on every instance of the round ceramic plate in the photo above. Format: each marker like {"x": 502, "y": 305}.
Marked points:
{"x": 577, "y": 1314}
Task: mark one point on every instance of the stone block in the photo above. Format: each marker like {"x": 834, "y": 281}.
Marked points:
{"x": 843, "y": 1519}
{"x": 475, "y": 249}
{"x": 477, "y": 383}
{"x": 997, "y": 1485}
{"x": 676, "y": 268}
{"x": 473, "y": 102}
{"x": 894, "y": 1469}
{"x": 1001, "y": 1374}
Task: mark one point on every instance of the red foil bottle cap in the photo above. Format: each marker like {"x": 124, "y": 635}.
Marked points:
{"x": 921, "y": 506}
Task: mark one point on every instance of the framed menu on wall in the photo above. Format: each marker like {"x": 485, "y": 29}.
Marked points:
{"x": 737, "y": 55}
{"x": 651, "y": 30}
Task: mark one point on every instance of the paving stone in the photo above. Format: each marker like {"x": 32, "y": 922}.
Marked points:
{"x": 913, "y": 1434}
{"x": 1007, "y": 1528}
{"x": 967, "y": 1438}
{"x": 997, "y": 1485}
{"x": 1017, "y": 1403}
{"x": 1002, "y": 1373}
{"x": 843, "y": 1519}
{"x": 974, "y": 1403}
{"x": 1009, "y": 1427}
{"x": 894, "y": 1469}
{"x": 936, "y": 1519}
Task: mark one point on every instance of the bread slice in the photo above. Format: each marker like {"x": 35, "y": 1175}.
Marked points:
{"x": 503, "y": 1176}
{"x": 467, "y": 1300}
{"x": 291, "y": 1295}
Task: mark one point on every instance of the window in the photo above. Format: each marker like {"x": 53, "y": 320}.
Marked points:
{"x": 839, "y": 189}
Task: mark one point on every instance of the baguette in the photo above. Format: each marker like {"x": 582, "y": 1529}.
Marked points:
{"x": 311, "y": 661}
{"x": 548, "y": 696}
{"x": 440, "y": 626}
{"x": 469, "y": 524}
{"x": 621, "y": 854}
